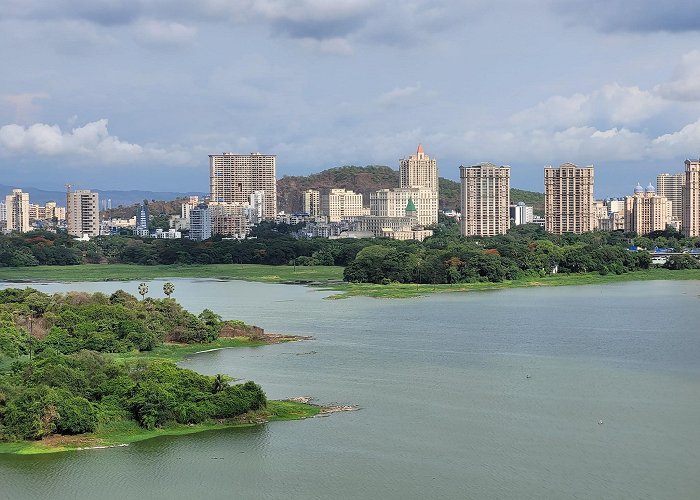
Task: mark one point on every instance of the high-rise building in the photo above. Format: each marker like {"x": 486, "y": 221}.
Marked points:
{"x": 83, "y": 213}
{"x": 691, "y": 199}
{"x": 142, "y": 216}
{"x": 568, "y": 199}
{"x": 230, "y": 219}
{"x": 340, "y": 204}
{"x": 392, "y": 203}
{"x": 485, "y": 199}
{"x": 521, "y": 214}
{"x": 3, "y": 212}
{"x": 17, "y": 211}
{"x": 234, "y": 177}
{"x": 670, "y": 186}
{"x": 646, "y": 211}
{"x": 191, "y": 203}
{"x": 256, "y": 209}
{"x": 312, "y": 202}
{"x": 200, "y": 223}
{"x": 419, "y": 171}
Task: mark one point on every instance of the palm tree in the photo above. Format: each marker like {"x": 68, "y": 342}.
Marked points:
{"x": 143, "y": 290}
{"x": 219, "y": 383}
{"x": 168, "y": 289}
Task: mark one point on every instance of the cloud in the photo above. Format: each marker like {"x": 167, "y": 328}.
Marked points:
{"x": 612, "y": 104}
{"x": 685, "y": 142}
{"x": 397, "y": 95}
{"x": 101, "y": 12}
{"x": 333, "y": 46}
{"x": 631, "y": 15}
{"x": 314, "y": 19}
{"x": 685, "y": 85}
{"x": 91, "y": 141}
{"x": 25, "y": 106}
{"x": 163, "y": 34}
{"x": 327, "y": 26}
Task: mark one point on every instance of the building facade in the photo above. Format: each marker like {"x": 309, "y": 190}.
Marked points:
{"x": 670, "y": 186}
{"x": 340, "y": 204}
{"x": 142, "y": 220}
{"x": 521, "y": 214}
{"x": 312, "y": 202}
{"x": 256, "y": 207}
{"x": 229, "y": 219}
{"x": 17, "y": 211}
{"x": 392, "y": 203}
{"x": 419, "y": 171}
{"x": 568, "y": 199}
{"x": 485, "y": 199}
{"x": 200, "y": 223}
{"x": 646, "y": 211}
{"x": 691, "y": 199}
{"x": 83, "y": 213}
{"x": 191, "y": 203}
{"x": 233, "y": 178}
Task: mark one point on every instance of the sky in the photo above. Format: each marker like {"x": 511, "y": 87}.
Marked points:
{"x": 134, "y": 94}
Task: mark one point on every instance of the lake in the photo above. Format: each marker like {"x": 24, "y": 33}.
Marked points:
{"x": 465, "y": 395}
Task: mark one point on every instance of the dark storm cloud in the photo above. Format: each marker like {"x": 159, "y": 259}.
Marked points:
{"x": 632, "y": 15}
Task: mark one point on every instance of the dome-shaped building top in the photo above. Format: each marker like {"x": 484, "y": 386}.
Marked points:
{"x": 651, "y": 189}
{"x": 638, "y": 189}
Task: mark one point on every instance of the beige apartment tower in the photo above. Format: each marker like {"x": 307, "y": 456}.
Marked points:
{"x": 312, "y": 202}
{"x": 17, "y": 211}
{"x": 485, "y": 199}
{"x": 340, "y": 204}
{"x": 83, "y": 213}
{"x": 234, "y": 177}
{"x": 419, "y": 171}
{"x": 646, "y": 211}
{"x": 670, "y": 186}
{"x": 691, "y": 199}
{"x": 568, "y": 199}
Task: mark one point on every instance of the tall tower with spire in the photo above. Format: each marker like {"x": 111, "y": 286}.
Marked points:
{"x": 419, "y": 171}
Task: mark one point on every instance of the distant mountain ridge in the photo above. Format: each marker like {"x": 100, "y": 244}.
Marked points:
{"x": 41, "y": 196}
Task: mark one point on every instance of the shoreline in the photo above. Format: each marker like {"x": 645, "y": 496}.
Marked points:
{"x": 123, "y": 433}
{"x": 328, "y": 278}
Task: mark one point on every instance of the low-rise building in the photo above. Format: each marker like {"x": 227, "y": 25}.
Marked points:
{"x": 521, "y": 214}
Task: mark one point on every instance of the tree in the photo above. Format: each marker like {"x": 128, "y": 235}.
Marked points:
{"x": 168, "y": 289}
{"x": 219, "y": 383}
{"x": 143, "y": 290}
{"x": 679, "y": 262}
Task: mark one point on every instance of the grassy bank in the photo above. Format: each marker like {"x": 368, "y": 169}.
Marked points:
{"x": 128, "y": 272}
{"x": 329, "y": 277}
{"x": 126, "y": 432}
{"x": 402, "y": 290}
{"x": 177, "y": 352}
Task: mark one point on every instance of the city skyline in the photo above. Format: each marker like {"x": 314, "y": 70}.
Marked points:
{"x": 124, "y": 95}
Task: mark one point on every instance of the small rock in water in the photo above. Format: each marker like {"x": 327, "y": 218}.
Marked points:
{"x": 600, "y": 422}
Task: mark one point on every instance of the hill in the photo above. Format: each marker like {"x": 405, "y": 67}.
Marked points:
{"x": 363, "y": 180}
{"x": 371, "y": 178}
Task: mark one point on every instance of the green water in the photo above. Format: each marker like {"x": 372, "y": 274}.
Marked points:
{"x": 448, "y": 409}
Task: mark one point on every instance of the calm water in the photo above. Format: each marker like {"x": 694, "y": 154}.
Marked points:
{"x": 447, "y": 408}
